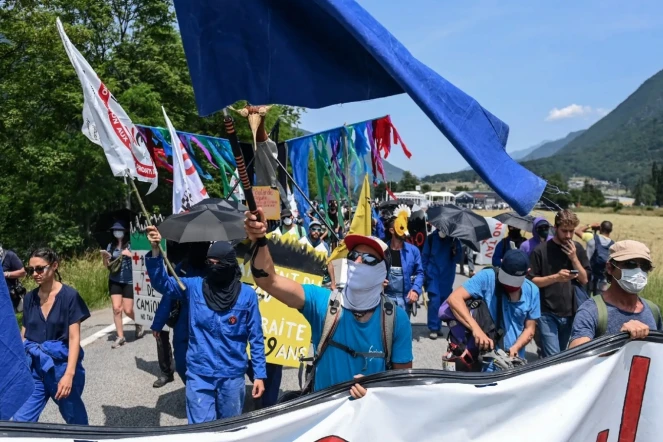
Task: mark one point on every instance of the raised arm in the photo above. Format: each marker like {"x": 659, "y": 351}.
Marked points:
{"x": 162, "y": 283}
{"x": 285, "y": 290}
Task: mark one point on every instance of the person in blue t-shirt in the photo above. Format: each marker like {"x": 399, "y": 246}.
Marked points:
{"x": 520, "y": 303}
{"x": 359, "y": 327}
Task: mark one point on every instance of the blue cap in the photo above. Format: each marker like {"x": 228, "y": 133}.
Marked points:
{"x": 513, "y": 269}
{"x": 118, "y": 226}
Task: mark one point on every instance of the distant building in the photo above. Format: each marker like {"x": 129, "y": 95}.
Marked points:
{"x": 480, "y": 200}
{"x": 441, "y": 197}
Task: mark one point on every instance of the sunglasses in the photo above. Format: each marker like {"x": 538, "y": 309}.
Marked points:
{"x": 38, "y": 270}
{"x": 366, "y": 258}
{"x": 316, "y": 229}
{"x": 632, "y": 264}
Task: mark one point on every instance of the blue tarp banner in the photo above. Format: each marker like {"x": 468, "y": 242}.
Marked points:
{"x": 316, "y": 53}
{"x": 16, "y": 382}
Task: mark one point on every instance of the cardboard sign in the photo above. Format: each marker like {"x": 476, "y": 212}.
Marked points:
{"x": 270, "y": 202}
{"x": 146, "y": 299}
{"x": 287, "y": 332}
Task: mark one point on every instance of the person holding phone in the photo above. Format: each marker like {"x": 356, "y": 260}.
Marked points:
{"x": 117, "y": 258}
{"x": 556, "y": 267}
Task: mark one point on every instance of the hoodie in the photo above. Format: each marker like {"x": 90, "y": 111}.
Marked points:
{"x": 532, "y": 243}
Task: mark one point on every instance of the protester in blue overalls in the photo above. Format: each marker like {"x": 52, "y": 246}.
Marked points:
{"x": 52, "y": 316}
{"x": 223, "y": 318}
{"x": 440, "y": 255}
{"x": 193, "y": 265}
{"x": 406, "y": 275}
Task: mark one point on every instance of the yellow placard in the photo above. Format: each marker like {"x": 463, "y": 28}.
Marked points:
{"x": 287, "y": 332}
{"x": 269, "y": 200}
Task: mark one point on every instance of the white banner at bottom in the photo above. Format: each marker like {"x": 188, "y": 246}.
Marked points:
{"x": 603, "y": 398}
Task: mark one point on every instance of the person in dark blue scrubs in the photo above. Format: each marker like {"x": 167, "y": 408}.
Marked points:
{"x": 52, "y": 316}
{"x": 223, "y": 318}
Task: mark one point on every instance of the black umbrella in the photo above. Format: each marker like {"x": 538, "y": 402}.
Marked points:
{"x": 205, "y": 222}
{"x": 512, "y": 219}
{"x": 459, "y": 223}
{"x": 228, "y": 204}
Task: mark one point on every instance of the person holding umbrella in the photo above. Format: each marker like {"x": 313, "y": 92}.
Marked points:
{"x": 117, "y": 258}
{"x": 223, "y": 318}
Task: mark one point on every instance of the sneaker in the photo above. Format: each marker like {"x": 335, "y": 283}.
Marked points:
{"x": 163, "y": 380}
{"x": 119, "y": 342}
{"x": 471, "y": 274}
{"x": 433, "y": 335}
{"x": 139, "y": 331}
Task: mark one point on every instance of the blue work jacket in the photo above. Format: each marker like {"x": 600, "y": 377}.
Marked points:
{"x": 217, "y": 340}
{"x": 413, "y": 271}
{"x": 440, "y": 263}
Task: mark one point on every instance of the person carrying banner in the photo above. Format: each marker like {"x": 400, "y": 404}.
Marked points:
{"x": 560, "y": 268}
{"x": 223, "y": 318}
{"x": 52, "y": 316}
{"x": 406, "y": 274}
{"x": 508, "y": 289}
{"x": 440, "y": 255}
{"x": 619, "y": 308}
{"x": 117, "y": 259}
{"x": 540, "y": 234}
{"x": 355, "y": 343}
{"x": 314, "y": 238}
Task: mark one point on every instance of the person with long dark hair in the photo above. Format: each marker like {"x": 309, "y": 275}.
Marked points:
{"x": 117, "y": 258}
{"x": 52, "y": 316}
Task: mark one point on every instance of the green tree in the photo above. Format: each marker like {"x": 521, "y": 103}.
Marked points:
{"x": 461, "y": 189}
{"x": 558, "y": 196}
{"x": 408, "y": 181}
{"x": 646, "y": 196}
{"x": 426, "y": 188}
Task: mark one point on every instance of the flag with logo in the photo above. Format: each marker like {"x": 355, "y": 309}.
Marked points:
{"x": 105, "y": 123}
{"x": 187, "y": 187}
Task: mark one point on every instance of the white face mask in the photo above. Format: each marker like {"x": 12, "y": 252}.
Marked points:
{"x": 364, "y": 286}
{"x": 118, "y": 234}
{"x": 633, "y": 281}
{"x": 442, "y": 234}
{"x": 287, "y": 221}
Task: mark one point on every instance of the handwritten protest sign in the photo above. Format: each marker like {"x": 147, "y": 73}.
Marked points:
{"x": 287, "y": 333}
{"x": 498, "y": 230}
{"x": 269, "y": 200}
{"x": 146, "y": 299}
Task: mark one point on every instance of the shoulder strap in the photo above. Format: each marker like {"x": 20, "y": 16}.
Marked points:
{"x": 602, "y": 325}
{"x": 331, "y": 322}
{"x": 388, "y": 326}
{"x": 500, "y": 314}
{"x": 654, "y": 310}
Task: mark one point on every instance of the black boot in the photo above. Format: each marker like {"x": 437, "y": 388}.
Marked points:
{"x": 163, "y": 380}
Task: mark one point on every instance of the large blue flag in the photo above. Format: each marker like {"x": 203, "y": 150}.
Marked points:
{"x": 316, "y": 53}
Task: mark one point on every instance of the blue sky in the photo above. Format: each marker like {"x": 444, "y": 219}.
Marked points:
{"x": 544, "y": 68}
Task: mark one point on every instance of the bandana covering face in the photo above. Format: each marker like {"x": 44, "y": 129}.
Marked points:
{"x": 222, "y": 285}
{"x": 364, "y": 286}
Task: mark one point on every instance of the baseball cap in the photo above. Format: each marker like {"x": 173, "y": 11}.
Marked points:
{"x": 513, "y": 270}
{"x": 315, "y": 223}
{"x": 286, "y": 213}
{"x": 352, "y": 241}
{"x": 629, "y": 249}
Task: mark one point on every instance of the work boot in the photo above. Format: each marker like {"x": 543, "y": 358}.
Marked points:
{"x": 163, "y": 380}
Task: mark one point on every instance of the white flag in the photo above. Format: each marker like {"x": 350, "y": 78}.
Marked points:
{"x": 187, "y": 187}
{"x": 105, "y": 123}
{"x": 239, "y": 190}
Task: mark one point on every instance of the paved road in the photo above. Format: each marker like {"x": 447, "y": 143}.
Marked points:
{"x": 119, "y": 392}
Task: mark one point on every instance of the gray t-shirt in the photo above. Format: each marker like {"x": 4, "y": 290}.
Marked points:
{"x": 587, "y": 320}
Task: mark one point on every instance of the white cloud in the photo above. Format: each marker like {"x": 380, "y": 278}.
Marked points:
{"x": 575, "y": 111}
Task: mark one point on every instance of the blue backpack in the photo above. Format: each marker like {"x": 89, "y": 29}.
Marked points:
{"x": 600, "y": 256}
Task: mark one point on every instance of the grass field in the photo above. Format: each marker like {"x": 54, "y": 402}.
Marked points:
{"x": 639, "y": 227}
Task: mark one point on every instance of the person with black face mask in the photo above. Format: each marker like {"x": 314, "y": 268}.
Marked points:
{"x": 513, "y": 240}
{"x": 223, "y": 318}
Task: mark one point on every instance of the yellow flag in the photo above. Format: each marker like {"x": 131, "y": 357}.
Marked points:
{"x": 361, "y": 222}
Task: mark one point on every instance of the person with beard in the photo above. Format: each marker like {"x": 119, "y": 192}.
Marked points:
{"x": 513, "y": 240}
{"x": 314, "y": 238}
{"x": 520, "y": 304}
{"x": 559, "y": 267}
{"x": 192, "y": 265}
{"x": 356, "y": 346}
{"x": 623, "y": 310}
{"x": 540, "y": 234}
{"x": 223, "y": 318}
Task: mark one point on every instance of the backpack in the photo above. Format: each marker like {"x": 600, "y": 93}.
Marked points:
{"x": 600, "y": 256}
{"x": 602, "y": 308}
{"x": 330, "y": 324}
{"x": 462, "y": 351}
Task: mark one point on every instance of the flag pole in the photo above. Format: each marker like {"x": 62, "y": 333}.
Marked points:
{"x": 229, "y": 124}
{"x": 149, "y": 223}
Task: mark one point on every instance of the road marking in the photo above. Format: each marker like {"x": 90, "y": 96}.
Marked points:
{"x": 103, "y": 332}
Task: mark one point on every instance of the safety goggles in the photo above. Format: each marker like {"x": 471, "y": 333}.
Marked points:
{"x": 366, "y": 258}
{"x": 631, "y": 264}
{"x": 38, "y": 270}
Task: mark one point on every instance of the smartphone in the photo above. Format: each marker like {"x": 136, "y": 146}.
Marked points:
{"x": 573, "y": 272}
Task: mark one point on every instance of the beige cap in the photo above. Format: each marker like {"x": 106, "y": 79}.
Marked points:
{"x": 629, "y": 249}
